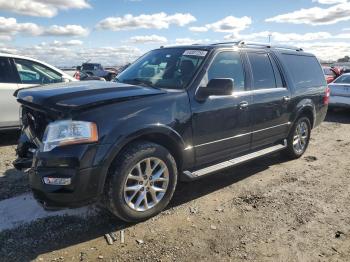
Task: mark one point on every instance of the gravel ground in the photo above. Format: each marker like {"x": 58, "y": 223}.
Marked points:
{"x": 12, "y": 182}
{"x": 268, "y": 210}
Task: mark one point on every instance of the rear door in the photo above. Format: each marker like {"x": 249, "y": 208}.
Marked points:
{"x": 270, "y": 109}
{"x": 9, "y": 108}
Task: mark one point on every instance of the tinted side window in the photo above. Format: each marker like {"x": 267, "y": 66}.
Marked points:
{"x": 263, "y": 74}
{"x": 6, "y": 73}
{"x": 227, "y": 65}
{"x": 305, "y": 71}
{"x": 33, "y": 73}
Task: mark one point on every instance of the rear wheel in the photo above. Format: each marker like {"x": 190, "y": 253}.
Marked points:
{"x": 141, "y": 182}
{"x": 299, "y": 137}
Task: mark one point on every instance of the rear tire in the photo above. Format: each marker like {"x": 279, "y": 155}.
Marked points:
{"x": 299, "y": 138}
{"x": 141, "y": 182}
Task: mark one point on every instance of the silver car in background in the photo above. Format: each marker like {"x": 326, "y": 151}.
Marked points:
{"x": 19, "y": 72}
{"x": 340, "y": 92}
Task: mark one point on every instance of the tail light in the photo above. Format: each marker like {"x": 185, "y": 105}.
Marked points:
{"x": 77, "y": 75}
{"x": 327, "y": 95}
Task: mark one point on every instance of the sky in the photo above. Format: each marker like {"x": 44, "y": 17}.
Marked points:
{"x": 114, "y": 32}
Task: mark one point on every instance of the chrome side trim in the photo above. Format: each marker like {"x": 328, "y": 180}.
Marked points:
{"x": 236, "y": 136}
{"x": 236, "y": 161}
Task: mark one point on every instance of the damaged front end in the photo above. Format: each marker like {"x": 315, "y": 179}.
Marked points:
{"x": 33, "y": 124}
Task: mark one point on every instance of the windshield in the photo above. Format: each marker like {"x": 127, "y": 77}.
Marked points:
{"x": 164, "y": 68}
{"x": 90, "y": 67}
{"x": 344, "y": 79}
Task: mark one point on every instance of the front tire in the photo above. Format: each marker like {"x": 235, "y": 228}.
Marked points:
{"x": 141, "y": 182}
{"x": 299, "y": 137}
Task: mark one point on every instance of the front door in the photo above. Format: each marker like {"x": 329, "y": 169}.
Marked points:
{"x": 221, "y": 124}
{"x": 271, "y": 101}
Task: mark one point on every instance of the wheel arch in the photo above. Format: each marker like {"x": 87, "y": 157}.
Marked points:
{"x": 158, "y": 134}
{"x": 305, "y": 108}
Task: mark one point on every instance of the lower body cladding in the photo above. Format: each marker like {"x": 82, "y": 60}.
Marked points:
{"x": 66, "y": 177}
{"x": 339, "y": 101}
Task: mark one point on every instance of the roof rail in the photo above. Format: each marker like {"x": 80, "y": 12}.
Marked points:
{"x": 243, "y": 43}
{"x": 268, "y": 45}
{"x": 227, "y": 43}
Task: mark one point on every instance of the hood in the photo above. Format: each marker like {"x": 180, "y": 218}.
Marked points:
{"x": 65, "y": 97}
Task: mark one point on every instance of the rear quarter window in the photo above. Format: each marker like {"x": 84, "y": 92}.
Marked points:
{"x": 305, "y": 71}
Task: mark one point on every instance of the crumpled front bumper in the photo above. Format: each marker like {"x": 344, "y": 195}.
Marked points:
{"x": 76, "y": 162}
{"x": 82, "y": 190}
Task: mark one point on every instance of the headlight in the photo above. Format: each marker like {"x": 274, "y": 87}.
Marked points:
{"x": 67, "y": 132}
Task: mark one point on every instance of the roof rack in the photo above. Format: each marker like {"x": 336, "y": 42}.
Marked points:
{"x": 244, "y": 43}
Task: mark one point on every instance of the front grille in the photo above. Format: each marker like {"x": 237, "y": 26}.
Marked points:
{"x": 36, "y": 120}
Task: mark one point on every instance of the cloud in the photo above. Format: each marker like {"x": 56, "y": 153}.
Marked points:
{"x": 198, "y": 29}
{"x": 315, "y": 16}
{"x": 154, "y": 21}
{"x": 41, "y": 8}
{"x": 326, "y": 50}
{"x": 67, "y": 30}
{"x": 190, "y": 41}
{"x": 57, "y": 43}
{"x": 9, "y": 27}
{"x": 151, "y": 39}
{"x": 289, "y": 37}
{"x": 58, "y": 54}
{"x": 330, "y": 2}
{"x": 229, "y": 24}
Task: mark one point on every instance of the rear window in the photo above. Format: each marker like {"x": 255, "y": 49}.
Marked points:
{"x": 305, "y": 71}
{"x": 90, "y": 67}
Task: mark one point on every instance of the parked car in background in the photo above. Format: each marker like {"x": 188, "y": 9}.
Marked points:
{"x": 340, "y": 92}
{"x": 95, "y": 69}
{"x": 331, "y": 74}
{"x": 177, "y": 113}
{"x": 19, "y": 72}
{"x": 82, "y": 76}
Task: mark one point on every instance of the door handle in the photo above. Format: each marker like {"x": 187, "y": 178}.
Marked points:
{"x": 243, "y": 105}
{"x": 286, "y": 99}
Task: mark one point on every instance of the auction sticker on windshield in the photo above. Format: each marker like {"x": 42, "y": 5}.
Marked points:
{"x": 195, "y": 52}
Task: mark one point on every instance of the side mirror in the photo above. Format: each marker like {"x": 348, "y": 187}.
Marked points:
{"x": 216, "y": 87}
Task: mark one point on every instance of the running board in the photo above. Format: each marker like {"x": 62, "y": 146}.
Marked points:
{"x": 233, "y": 162}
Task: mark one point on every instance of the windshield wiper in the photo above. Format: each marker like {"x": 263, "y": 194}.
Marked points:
{"x": 138, "y": 81}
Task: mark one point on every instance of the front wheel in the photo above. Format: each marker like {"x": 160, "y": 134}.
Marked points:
{"x": 141, "y": 182}
{"x": 299, "y": 137}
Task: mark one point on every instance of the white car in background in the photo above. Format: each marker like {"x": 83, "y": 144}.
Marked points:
{"x": 340, "y": 92}
{"x": 19, "y": 72}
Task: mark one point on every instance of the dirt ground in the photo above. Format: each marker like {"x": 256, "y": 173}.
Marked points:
{"x": 268, "y": 210}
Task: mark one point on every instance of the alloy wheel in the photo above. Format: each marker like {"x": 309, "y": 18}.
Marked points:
{"x": 300, "y": 138}
{"x": 146, "y": 184}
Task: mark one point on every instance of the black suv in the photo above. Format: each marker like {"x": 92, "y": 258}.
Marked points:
{"x": 176, "y": 113}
